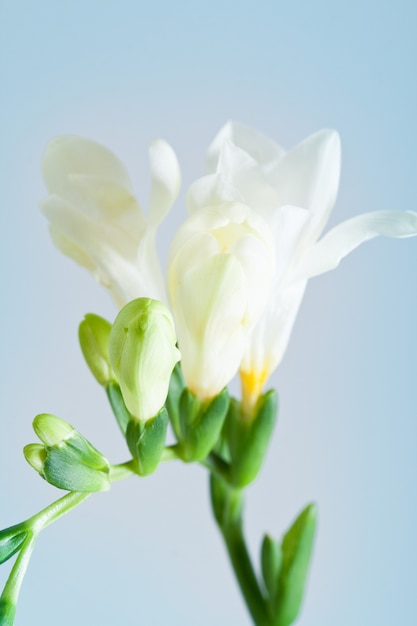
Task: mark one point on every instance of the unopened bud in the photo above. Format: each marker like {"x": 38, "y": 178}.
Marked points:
{"x": 143, "y": 354}
{"x": 93, "y": 334}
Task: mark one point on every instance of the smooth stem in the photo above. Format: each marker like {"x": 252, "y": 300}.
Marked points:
{"x": 34, "y": 526}
{"x": 10, "y": 595}
{"x": 245, "y": 575}
{"x": 227, "y": 503}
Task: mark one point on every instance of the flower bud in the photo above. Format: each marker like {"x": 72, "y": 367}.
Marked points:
{"x": 93, "y": 334}
{"x": 143, "y": 354}
{"x": 66, "y": 460}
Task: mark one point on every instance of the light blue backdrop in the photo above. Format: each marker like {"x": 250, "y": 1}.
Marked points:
{"x": 123, "y": 73}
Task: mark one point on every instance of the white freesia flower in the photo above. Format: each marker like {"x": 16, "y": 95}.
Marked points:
{"x": 95, "y": 219}
{"x": 221, "y": 261}
{"x": 295, "y": 193}
{"x": 220, "y": 268}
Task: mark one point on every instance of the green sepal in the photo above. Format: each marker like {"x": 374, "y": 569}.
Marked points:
{"x": 271, "y": 563}
{"x": 11, "y": 540}
{"x": 172, "y": 403}
{"x": 76, "y": 465}
{"x": 118, "y": 406}
{"x": 93, "y": 334}
{"x": 7, "y": 612}
{"x": 248, "y": 439}
{"x": 146, "y": 441}
{"x": 226, "y": 502}
{"x": 201, "y": 424}
{"x": 297, "y": 546}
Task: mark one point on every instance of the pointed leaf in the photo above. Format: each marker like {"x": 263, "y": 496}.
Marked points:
{"x": 11, "y": 540}
{"x": 297, "y": 546}
{"x": 271, "y": 562}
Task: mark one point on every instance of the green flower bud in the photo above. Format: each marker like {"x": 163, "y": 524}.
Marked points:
{"x": 143, "y": 354}
{"x": 35, "y": 455}
{"x": 66, "y": 460}
{"x": 52, "y": 430}
{"x": 93, "y": 334}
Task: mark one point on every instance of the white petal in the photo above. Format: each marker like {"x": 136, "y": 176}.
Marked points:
{"x": 245, "y": 175}
{"x": 166, "y": 180}
{"x": 71, "y": 250}
{"x": 269, "y": 339}
{"x": 287, "y": 223}
{"x": 75, "y": 155}
{"x": 112, "y": 252}
{"x": 105, "y": 200}
{"x": 208, "y": 303}
{"x": 308, "y": 176}
{"x": 341, "y": 240}
{"x": 257, "y": 145}
{"x": 210, "y": 191}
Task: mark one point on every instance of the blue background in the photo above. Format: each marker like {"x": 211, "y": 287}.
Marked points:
{"x": 124, "y": 73}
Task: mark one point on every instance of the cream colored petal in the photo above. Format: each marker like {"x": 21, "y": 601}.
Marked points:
{"x": 166, "y": 180}
{"x": 269, "y": 339}
{"x": 75, "y": 155}
{"x": 102, "y": 199}
{"x": 210, "y": 191}
{"x": 111, "y": 251}
{"x": 262, "y": 149}
{"x": 209, "y": 303}
{"x": 308, "y": 176}
{"x": 341, "y": 240}
{"x": 71, "y": 250}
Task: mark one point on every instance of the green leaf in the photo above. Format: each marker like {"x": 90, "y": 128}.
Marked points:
{"x": 297, "y": 547}
{"x": 11, "y": 540}
{"x": 118, "y": 406}
{"x": 271, "y": 562}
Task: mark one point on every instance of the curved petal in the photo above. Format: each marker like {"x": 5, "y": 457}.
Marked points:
{"x": 208, "y": 303}
{"x": 245, "y": 175}
{"x": 75, "y": 155}
{"x": 105, "y": 200}
{"x": 256, "y": 144}
{"x": 166, "y": 180}
{"x": 209, "y": 191}
{"x": 107, "y": 251}
{"x": 269, "y": 339}
{"x": 342, "y": 239}
{"x": 308, "y": 176}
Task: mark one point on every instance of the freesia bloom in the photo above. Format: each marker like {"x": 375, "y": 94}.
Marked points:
{"x": 95, "y": 219}
{"x": 294, "y": 192}
{"x": 221, "y": 261}
{"x": 220, "y": 268}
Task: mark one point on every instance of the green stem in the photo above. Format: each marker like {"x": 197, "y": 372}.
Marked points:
{"x": 34, "y": 525}
{"x": 217, "y": 466}
{"x": 227, "y": 505}
{"x": 123, "y": 470}
{"x": 245, "y": 575}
